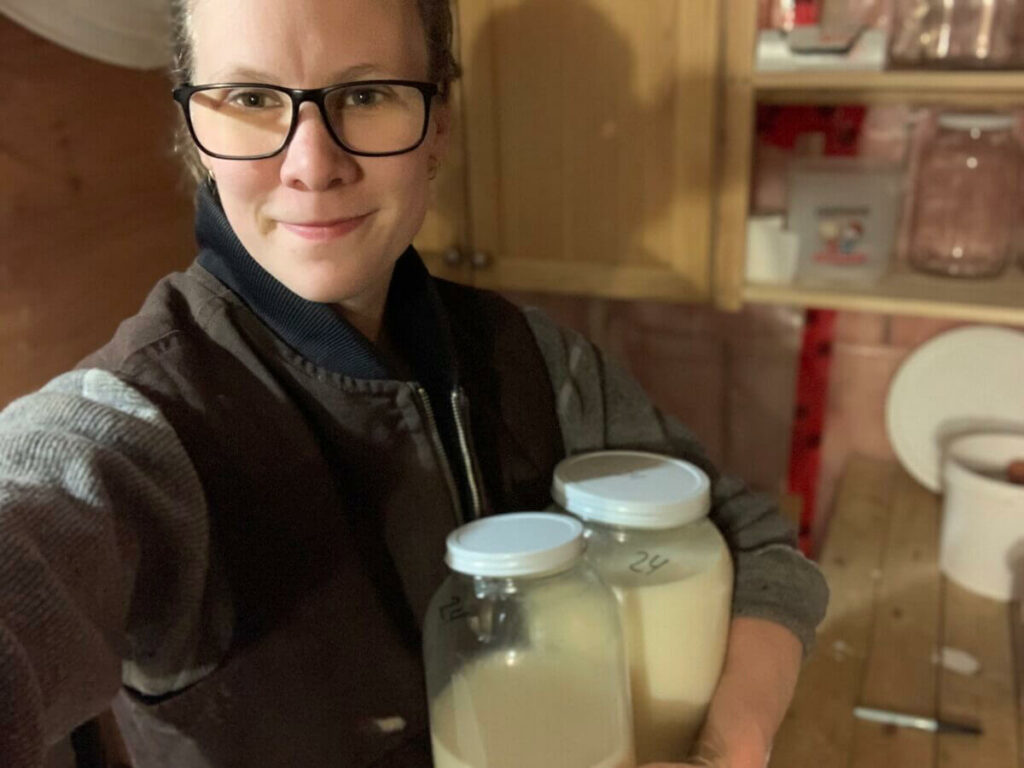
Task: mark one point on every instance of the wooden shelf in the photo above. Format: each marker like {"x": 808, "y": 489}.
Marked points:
{"x": 990, "y": 89}
{"x": 909, "y": 293}
{"x": 993, "y": 301}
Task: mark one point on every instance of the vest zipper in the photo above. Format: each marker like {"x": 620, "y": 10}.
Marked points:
{"x": 435, "y": 435}
{"x": 467, "y": 457}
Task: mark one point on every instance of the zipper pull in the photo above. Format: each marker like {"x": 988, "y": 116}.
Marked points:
{"x": 459, "y": 400}
{"x": 442, "y": 456}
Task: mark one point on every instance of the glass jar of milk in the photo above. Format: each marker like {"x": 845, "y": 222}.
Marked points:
{"x": 524, "y": 653}
{"x": 649, "y": 538}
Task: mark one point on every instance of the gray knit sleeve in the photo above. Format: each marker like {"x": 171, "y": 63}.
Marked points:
{"x": 102, "y": 540}
{"x": 601, "y": 406}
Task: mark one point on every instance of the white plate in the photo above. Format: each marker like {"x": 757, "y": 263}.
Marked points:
{"x": 129, "y": 33}
{"x": 966, "y": 380}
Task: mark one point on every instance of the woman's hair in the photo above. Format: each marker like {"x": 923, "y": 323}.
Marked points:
{"x": 437, "y": 25}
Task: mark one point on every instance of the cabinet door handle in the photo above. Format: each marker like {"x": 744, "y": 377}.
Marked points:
{"x": 480, "y": 259}
{"x": 452, "y": 257}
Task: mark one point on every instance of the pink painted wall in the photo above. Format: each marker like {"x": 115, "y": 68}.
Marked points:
{"x": 868, "y": 351}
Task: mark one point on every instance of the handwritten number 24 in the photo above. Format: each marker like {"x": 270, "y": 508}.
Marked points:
{"x": 647, "y": 563}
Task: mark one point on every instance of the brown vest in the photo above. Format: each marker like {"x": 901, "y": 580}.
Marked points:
{"x": 328, "y": 512}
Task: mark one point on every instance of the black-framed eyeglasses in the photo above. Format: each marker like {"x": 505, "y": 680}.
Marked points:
{"x": 252, "y": 121}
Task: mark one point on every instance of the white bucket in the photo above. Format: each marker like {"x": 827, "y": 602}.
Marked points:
{"x": 982, "y": 540}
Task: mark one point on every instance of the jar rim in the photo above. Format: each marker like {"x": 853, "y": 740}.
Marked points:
{"x": 632, "y": 489}
{"x": 981, "y": 121}
{"x": 515, "y": 544}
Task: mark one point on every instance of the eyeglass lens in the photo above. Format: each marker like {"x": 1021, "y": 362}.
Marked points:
{"x": 252, "y": 121}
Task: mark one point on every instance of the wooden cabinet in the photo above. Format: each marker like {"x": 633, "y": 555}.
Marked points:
{"x": 585, "y": 149}
{"x": 902, "y": 291}
{"x": 605, "y": 148}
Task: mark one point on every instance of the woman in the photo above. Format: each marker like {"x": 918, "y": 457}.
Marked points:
{"x": 230, "y": 519}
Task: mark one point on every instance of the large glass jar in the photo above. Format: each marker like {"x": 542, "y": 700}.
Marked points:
{"x": 965, "y": 199}
{"x": 523, "y": 651}
{"x": 649, "y": 538}
{"x": 954, "y": 33}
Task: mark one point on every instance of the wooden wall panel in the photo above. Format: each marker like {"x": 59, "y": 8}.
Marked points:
{"x": 93, "y": 206}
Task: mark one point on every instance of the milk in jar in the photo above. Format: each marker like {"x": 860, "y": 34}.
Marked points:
{"x": 523, "y": 651}
{"x": 493, "y": 716}
{"x": 649, "y": 538}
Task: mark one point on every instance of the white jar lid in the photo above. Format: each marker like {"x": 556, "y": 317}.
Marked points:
{"x": 983, "y": 121}
{"x": 632, "y": 489}
{"x": 516, "y": 544}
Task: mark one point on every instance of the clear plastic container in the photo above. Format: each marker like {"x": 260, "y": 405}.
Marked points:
{"x": 649, "y": 538}
{"x": 524, "y": 653}
{"x": 845, "y": 212}
{"x": 966, "y": 197}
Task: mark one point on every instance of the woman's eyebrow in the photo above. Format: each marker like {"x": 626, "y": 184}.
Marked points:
{"x": 356, "y": 71}
{"x": 240, "y": 73}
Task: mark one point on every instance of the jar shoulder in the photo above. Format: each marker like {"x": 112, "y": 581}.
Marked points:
{"x": 625, "y": 556}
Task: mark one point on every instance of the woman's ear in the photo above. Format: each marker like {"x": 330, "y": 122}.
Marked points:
{"x": 441, "y": 117}
{"x": 204, "y": 159}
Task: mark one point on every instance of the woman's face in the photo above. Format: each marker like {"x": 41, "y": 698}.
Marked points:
{"x": 311, "y": 44}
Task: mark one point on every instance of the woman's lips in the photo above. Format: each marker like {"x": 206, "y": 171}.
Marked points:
{"x": 322, "y": 231}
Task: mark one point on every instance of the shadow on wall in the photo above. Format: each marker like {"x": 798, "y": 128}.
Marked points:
{"x": 582, "y": 139}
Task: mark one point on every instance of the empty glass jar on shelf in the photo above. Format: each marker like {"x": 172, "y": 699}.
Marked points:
{"x": 955, "y": 34}
{"x": 966, "y": 199}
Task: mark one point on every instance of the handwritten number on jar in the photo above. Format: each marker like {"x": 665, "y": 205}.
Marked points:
{"x": 453, "y": 610}
{"x": 647, "y": 563}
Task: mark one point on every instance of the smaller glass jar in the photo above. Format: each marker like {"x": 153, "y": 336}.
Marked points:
{"x": 649, "y": 538}
{"x": 523, "y": 651}
{"x": 966, "y": 197}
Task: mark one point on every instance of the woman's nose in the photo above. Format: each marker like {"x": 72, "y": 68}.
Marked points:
{"x": 313, "y": 160}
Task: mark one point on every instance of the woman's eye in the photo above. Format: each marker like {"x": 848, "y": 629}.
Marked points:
{"x": 365, "y": 97}
{"x": 253, "y": 99}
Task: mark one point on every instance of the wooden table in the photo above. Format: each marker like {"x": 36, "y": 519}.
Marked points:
{"x": 891, "y": 612}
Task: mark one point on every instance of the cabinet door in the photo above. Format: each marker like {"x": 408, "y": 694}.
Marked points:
{"x": 589, "y": 130}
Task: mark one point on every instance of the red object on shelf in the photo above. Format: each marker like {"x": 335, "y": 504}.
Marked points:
{"x": 781, "y": 125}
{"x": 806, "y": 12}
{"x": 809, "y": 419}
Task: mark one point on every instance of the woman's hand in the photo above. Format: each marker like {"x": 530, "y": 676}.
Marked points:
{"x": 710, "y": 757}
{"x": 757, "y": 684}
{"x": 707, "y": 754}
{"x": 745, "y": 747}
